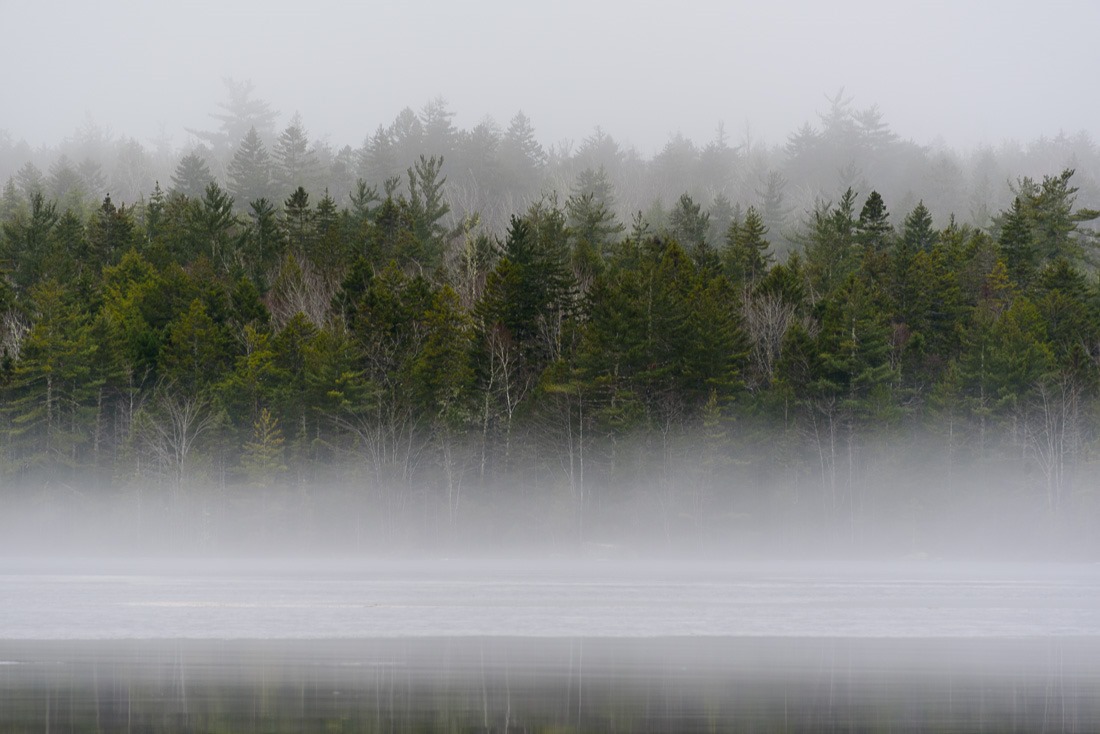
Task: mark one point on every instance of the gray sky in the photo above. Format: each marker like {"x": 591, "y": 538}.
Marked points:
{"x": 971, "y": 72}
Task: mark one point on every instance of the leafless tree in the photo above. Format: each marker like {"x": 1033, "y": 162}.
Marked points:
{"x": 767, "y": 317}
{"x": 1053, "y": 433}
{"x": 508, "y": 384}
{"x": 13, "y": 328}
{"x": 170, "y": 425}
{"x": 301, "y": 288}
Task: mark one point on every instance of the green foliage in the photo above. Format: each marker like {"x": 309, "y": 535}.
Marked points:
{"x": 53, "y": 385}
{"x": 192, "y": 176}
{"x": 262, "y": 458}
{"x": 830, "y": 246}
{"x": 427, "y": 208}
{"x": 873, "y": 230}
{"x": 745, "y": 257}
{"x": 318, "y": 336}
{"x": 249, "y": 172}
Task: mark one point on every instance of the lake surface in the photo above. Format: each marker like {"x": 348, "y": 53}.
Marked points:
{"x": 599, "y": 646}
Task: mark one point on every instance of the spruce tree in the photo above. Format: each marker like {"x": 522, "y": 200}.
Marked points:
{"x": 250, "y": 170}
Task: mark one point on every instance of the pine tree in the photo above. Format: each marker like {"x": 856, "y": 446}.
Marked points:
{"x": 745, "y": 257}
{"x": 428, "y": 207}
{"x": 218, "y": 225}
{"x": 298, "y": 222}
{"x": 295, "y": 163}
{"x": 250, "y": 170}
{"x": 192, "y": 176}
{"x": 873, "y": 231}
{"x": 830, "y": 244}
{"x": 1017, "y": 245}
{"x": 264, "y": 242}
{"x": 53, "y": 385}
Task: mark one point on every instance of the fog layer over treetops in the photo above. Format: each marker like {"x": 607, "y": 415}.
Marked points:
{"x": 453, "y": 339}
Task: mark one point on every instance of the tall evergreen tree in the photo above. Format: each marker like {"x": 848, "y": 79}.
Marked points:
{"x": 745, "y": 256}
{"x": 250, "y": 170}
{"x": 295, "y": 162}
{"x": 873, "y": 230}
{"x": 192, "y": 176}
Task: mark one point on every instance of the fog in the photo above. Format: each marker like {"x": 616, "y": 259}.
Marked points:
{"x": 898, "y": 502}
{"x": 971, "y": 73}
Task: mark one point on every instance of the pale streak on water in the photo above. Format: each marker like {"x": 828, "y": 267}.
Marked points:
{"x": 62, "y": 600}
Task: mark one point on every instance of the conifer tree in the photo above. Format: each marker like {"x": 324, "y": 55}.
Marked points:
{"x": 250, "y": 170}
{"x": 192, "y": 176}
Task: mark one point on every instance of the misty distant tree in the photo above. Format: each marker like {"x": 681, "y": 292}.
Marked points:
{"x": 12, "y": 201}
{"x": 522, "y": 158}
{"x": 30, "y": 180}
{"x": 439, "y": 134}
{"x": 481, "y": 188}
{"x": 377, "y": 160}
{"x": 599, "y": 151}
{"x": 131, "y": 176}
{"x": 676, "y": 165}
{"x": 874, "y": 132}
{"x": 717, "y": 165}
{"x": 722, "y": 214}
{"x": 802, "y": 143}
{"x": 407, "y": 134}
{"x": 595, "y": 182}
{"x": 250, "y": 170}
{"x": 192, "y": 176}
{"x": 296, "y": 163}
{"x": 241, "y": 113}
{"x": 774, "y": 209}
{"x": 91, "y": 174}
{"x": 65, "y": 185}
{"x": 342, "y": 173}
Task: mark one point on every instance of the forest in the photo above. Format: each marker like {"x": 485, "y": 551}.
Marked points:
{"x": 449, "y": 338}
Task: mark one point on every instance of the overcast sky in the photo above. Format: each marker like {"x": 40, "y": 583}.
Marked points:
{"x": 969, "y": 72}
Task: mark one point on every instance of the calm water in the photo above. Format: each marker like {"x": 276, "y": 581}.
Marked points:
{"x": 447, "y": 646}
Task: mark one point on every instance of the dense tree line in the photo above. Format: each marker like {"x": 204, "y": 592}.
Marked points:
{"x": 207, "y": 344}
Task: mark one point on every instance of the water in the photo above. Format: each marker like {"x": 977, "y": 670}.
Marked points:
{"x": 463, "y": 646}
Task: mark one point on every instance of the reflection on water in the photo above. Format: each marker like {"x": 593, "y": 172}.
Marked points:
{"x": 522, "y": 684}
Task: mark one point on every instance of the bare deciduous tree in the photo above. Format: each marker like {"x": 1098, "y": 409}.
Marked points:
{"x": 1053, "y": 434}
{"x": 301, "y": 288}
{"x": 767, "y": 317}
{"x": 169, "y": 427}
